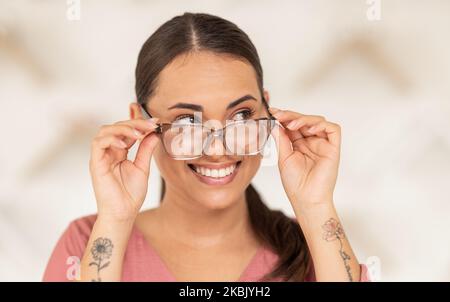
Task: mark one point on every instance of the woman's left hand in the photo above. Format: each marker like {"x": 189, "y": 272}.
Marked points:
{"x": 308, "y": 157}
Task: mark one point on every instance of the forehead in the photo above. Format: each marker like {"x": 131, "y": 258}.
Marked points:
{"x": 204, "y": 77}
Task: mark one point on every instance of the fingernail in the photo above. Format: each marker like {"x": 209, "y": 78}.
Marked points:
{"x": 153, "y": 122}
{"x": 273, "y": 109}
{"x": 122, "y": 143}
{"x": 292, "y": 124}
{"x": 138, "y": 133}
{"x": 311, "y": 129}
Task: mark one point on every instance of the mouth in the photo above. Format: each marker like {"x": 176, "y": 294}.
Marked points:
{"x": 215, "y": 174}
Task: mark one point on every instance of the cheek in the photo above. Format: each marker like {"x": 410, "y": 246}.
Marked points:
{"x": 168, "y": 167}
{"x": 251, "y": 166}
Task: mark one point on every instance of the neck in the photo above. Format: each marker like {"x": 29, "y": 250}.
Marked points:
{"x": 190, "y": 223}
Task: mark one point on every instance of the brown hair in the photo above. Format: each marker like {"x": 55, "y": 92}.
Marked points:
{"x": 194, "y": 32}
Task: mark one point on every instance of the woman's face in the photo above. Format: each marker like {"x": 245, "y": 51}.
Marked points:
{"x": 210, "y": 84}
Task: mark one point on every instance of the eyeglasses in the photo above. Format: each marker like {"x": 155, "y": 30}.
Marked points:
{"x": 185, "y": 141}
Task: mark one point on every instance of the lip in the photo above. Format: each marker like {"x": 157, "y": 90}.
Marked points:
{"x": 216, "y": 166}
{"x": 217, "y": 181}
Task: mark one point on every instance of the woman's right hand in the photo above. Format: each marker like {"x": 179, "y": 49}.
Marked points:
{"x": 120, "y": 185}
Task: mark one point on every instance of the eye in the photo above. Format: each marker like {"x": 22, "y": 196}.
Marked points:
{"x": 186, "y": 119}
{"x": 243, "y": 114}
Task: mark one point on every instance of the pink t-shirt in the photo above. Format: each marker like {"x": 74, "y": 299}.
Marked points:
{"x": 141, "y": 262}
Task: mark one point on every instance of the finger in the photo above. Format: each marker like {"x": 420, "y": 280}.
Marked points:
{"x": 288, "y": 115}
{"x": 142, "y": 125}
{"x": 304, "y": 147}
{"x": 282, "y": 115}
{"x": 331, "y": 130}
{"x": 145, "y": 152}
{"x": 120, "y": 130}
{"x": 101, "y": 143}
{"x": 273, "y": 110}
{"x": 298, "y": 122}
{"x": 283, "y": 142}
{"x": 286, "y": 118}
{"x": 305, "y": 120}
{"x": 294, "y": 135}
{"x": 304, "y": 123}
{"x": 129, "y": 132}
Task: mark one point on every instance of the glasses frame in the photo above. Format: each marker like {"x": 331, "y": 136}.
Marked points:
{"x": 212, "y": 132}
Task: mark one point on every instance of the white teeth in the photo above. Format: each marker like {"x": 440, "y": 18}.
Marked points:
{"x": 215, "y": 173}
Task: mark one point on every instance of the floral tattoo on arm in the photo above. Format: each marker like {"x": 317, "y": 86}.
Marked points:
{"x": 101, "y": 250}
{"x": 334, "y": 231}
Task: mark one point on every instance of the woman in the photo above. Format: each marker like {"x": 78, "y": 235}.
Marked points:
{"x": 211, "y": 224}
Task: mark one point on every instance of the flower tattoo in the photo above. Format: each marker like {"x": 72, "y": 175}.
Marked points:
{"x": 334, "y": 231}
{"x": 101, "y": 250}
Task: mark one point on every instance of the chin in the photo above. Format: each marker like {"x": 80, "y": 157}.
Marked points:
{"x": 217, "y": 200}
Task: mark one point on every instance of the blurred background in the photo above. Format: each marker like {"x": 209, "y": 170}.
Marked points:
{"x": 379, "y": 68}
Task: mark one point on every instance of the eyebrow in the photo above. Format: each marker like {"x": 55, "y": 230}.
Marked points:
{"x": 196, "y": 107}
{"x": 240, "y": 100}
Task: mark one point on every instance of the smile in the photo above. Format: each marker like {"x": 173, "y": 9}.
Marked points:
{"x": 215, "y": 174}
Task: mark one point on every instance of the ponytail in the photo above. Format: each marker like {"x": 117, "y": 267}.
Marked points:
{"x": 283, "y": 235}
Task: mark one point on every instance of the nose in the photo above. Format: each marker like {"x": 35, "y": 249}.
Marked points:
{"x": 214, "y": 144}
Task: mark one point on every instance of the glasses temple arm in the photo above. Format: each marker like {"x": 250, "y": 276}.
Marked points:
{"x": 145, "y": 112}
{"x": 267, "y": 107}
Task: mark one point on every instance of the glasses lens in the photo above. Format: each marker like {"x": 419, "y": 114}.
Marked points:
{"x": 247, "y": 137}
{"x": 184, "y": 141}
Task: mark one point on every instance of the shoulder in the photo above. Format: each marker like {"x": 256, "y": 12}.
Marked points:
{"x": 81, "y": 228}
{"x": 77, "y": 233}
{"x": 83, "y": 225}
{"x": 70, "y": 246}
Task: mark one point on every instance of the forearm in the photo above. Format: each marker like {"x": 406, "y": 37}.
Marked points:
{"x": 104, "y": 254}
{"x": 330, "y": 250}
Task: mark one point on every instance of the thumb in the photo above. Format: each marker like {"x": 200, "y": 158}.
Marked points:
{"x": 282, "y": 141}
{"x": 145, "y": 152}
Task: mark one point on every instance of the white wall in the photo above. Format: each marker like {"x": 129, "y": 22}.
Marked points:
{"x": 393, "y": 187}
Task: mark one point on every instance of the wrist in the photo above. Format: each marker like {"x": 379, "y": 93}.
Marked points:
{"x": 109, "y": 222}
{"x": 312, "y": 206}
{"x": 312, "y": 215}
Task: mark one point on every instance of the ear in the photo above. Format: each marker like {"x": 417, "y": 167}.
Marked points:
{"x": 135, "y": 111}
{"x": 266, "y": 96}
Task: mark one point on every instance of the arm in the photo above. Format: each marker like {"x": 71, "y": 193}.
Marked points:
{"x": 308, "y": 160}
{"x": 120, "y": 186}
{"x": 103, "y": 257}
{"x": 330, "y": 249}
